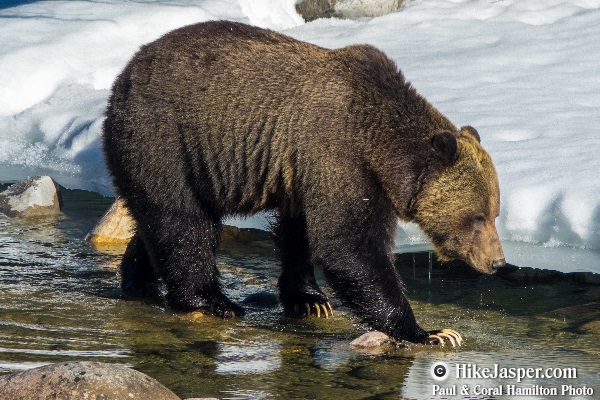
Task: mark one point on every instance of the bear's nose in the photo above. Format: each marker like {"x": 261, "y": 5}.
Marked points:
{"x": 498, "y": 263}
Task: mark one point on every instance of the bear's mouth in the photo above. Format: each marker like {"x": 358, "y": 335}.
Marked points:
{"x": 487, "y": 269}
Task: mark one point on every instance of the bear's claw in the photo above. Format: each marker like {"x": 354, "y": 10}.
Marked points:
{"x": 317, "y": 309}
{"x": 438, "y": 337}
{"x": 327, "y": 309}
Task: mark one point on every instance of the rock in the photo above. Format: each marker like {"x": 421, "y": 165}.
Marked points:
{"x": 371, "y": 340}
{"x": 591, "y": 327}
{"x": 350, "y": 9}
{"x": 262, "y": 299}
{"x": 115, "y": 227}
{"x": 576, "y": 315}
{"x": 202, "y": 398}
{"x": 35, "y": 197}
{"x": 234, "y": 234}
{"x": 82, "y": 380}
{"x": 530, "y": 276}
{"x": 589, "y": 278}
{"x": 353, "y": 9}
{"x": 314, "y": 9}
{"x": 118, "y": 227}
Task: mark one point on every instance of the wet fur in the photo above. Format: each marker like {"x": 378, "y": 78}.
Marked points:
{"x": 221, "y": 118}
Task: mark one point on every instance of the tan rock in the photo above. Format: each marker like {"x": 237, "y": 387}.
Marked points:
{"x": 35, "y": 197}
{"x": 591, "y": 327}
{"x": 82, "y": 380}
{"x": 115, "y": 227}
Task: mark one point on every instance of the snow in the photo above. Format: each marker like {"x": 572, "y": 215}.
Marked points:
{"x": 524, "y": 73}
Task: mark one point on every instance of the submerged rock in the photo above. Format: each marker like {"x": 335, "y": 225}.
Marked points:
{"x": 262, "y": 299}
{"x": 202, "y": 398}
{"x": 115, "y": 226}
{"x": 371, "y": 340}
{"x": 589, "y": 278}
{"x": 530, "y": 276}
{"x": 35, "y": 197}
{"x": 83, "y": 380}
{"x": 576, "y": 315}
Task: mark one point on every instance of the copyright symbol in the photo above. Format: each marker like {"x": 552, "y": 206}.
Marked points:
{"x": 440, "y": 371}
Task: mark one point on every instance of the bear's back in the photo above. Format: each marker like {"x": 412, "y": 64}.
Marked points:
{"x": 223, "y": 66}
{"x": 252, "y": 110}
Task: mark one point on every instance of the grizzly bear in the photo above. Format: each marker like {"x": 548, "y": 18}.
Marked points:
{"x": 221, "y": 118}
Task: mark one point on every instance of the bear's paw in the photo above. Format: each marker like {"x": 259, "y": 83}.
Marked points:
{"x": 218, "y": 305}
{"x": 223, "y": 309}
{"x": 306, "y": 301}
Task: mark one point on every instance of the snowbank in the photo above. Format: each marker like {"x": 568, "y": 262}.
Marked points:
{"x": 58, "y": 60}
{"x": 524, "y": 73}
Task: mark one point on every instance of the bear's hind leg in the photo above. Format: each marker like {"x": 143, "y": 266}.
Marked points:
{"x": 298, "y": 289}
{"x": 183, "y": 247}
{"x": 138, "y": 276}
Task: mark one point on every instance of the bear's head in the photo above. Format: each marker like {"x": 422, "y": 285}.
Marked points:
{"x": 459, "y": 200}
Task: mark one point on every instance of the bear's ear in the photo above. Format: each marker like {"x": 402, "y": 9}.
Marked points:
{"x": 471, "y": 131}
{"x": 445, "y": 147}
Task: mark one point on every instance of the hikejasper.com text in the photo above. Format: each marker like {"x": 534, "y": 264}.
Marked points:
{"x": 473, "y": 371}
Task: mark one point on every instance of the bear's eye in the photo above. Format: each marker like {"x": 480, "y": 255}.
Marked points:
{"x": 479, "y": 218}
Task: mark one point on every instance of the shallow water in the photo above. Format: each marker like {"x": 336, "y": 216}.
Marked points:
{"x": 59, "y": 302}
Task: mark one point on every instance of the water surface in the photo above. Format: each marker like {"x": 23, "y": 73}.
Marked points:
{"x": 59, "y": 302}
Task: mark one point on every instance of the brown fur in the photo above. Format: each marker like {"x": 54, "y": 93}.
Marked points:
{"x": 458, "y": 207}
{"x": 222, "y": 118}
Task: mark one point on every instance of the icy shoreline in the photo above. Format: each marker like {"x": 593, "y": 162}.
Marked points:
{"x": 523, "y": 73}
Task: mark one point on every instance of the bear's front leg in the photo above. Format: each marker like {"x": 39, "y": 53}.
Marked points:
{"x": 298, "y": 289}
{"x": 353, "y": 247}
{"x": 371, "y": 286}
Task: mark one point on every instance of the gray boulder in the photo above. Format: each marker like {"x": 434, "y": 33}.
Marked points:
{"x": 34, "y": 197}
{"x": 82, "y": 380}
{"x": 350, "y": 9}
